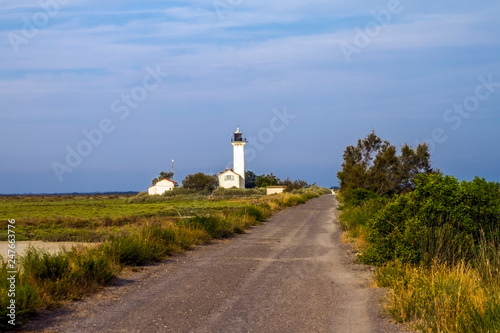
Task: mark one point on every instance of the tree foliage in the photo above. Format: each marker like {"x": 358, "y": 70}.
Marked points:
{"x": 271, "y": 179}
{"x": 200, "y": 182}
{"x": 294, "y": 185}
{"x": 374, "y": 165}
{"x": 250, "y": 179}
{"x": 163, "y": 175}
{"x": 267, "y": 180}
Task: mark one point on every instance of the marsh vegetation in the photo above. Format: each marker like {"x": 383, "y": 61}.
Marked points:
{"x": 133, "y": 231}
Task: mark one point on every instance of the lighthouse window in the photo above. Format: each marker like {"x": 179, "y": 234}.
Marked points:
{"x": 229, "y": 177}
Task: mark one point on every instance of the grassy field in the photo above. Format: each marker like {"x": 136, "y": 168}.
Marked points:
{"x": 95, "y": 218}
{"x": 32, "y": 208}
{"x": 134, "y": 230}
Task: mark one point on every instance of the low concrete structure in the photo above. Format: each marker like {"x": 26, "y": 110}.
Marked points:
{"x": 162, "y": 186}
{"x": 275, "y": 189}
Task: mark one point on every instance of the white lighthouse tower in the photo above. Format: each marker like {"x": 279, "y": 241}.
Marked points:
{"x": 235, "y": 177}
{"x": 239, "y": 155}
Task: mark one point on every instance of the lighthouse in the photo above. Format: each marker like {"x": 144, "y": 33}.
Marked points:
{"x": 235, "y": 177}
{"x": 239, "y": 155}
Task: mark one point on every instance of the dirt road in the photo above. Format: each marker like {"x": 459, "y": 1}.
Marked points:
{"x": 291, "y": 274}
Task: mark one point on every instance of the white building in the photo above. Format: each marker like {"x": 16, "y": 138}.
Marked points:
{"x": 162, "y": 186}
{"x": 274, "y": 189}
{"x": 235, "y": 177}
{"x": 229, "y": 178}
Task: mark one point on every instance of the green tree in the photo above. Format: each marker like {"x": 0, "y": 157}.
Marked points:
{"x": 163, "y": 175}
{"x": 413, "y": 163}
{"x": 200, "y": 182}
{"x": 267, "y": 180}
{"x": 294, "y": 185}
{"x": 373, "y": 165}
{"x": 250, "y": 179}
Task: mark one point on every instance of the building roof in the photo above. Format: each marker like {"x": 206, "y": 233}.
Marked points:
{"x": 170, "y": 180}
{"x": 229, "y": 171}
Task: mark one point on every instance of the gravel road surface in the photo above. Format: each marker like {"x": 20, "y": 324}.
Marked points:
{"x": 291, "y": 274}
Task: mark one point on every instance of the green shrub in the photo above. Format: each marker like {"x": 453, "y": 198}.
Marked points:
{"x": 353, "y": 217}
{"x": 253, "y": 211}
{"x": 238, "y": 192}
{"x": 181, "y": 192}
{"x": 291, "y": 200}
{"x": 265, "y": 209}
{"x": 151, "y": 243}
{"x": 91, "y": 268}
{"x": 358, "y": 196}
{"x": 26, "y": 295}
{"x": 177, "y": 193}
{"x": 442, "y": 219}
{"x": 41, "y": 265}
{"x": 215, "y": 226}
{"x": 67, "y": 274}
{"x": 43, "y": 279}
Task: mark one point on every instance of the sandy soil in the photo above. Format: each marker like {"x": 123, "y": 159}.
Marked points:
{"x": 291, "y": 274}
{"x": 51, "y": 247}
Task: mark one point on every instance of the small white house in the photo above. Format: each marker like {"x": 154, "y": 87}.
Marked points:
{"x": 229, "y": 178}
{"x": 162, "y": 186}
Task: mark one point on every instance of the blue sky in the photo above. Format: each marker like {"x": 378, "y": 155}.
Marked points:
{"x": 101, "y": 96}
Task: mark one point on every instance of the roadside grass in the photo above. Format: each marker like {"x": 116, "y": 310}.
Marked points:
{"x": 354, "y": 220}
{"x": 441, "y": 298}
{"x": 437, "y": 249}
{"x": 47, "y": 281}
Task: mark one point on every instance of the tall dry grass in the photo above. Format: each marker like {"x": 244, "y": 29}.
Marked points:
{"x": 441, "y": 298}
